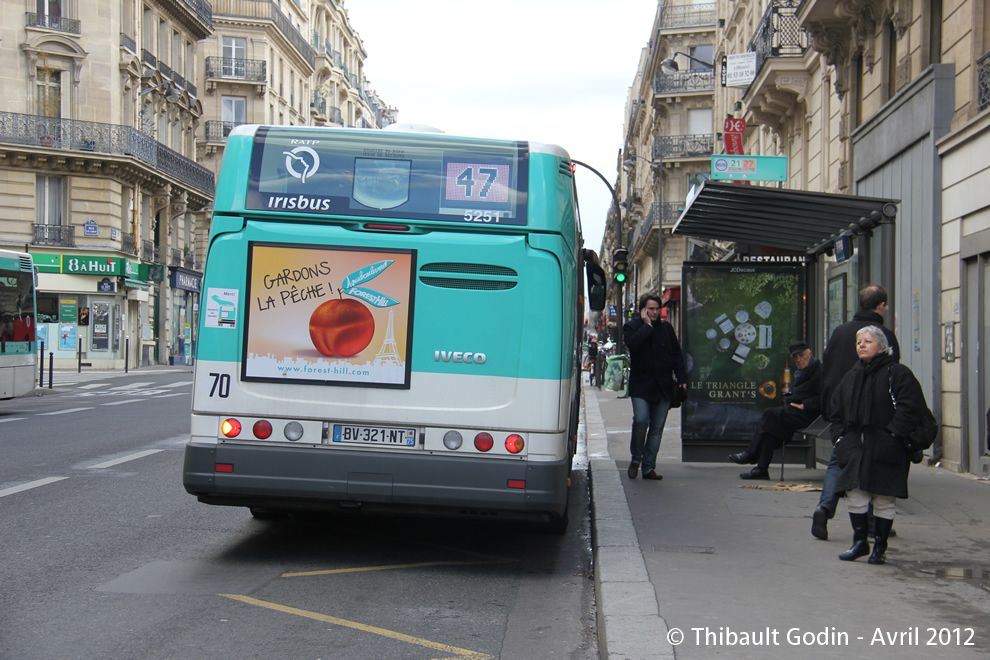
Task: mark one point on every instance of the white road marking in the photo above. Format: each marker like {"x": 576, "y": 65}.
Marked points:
{"x": 92, "y": 386}
{"x": 165, "y": 396}
{"x": 118, "y": 461}
{"x": 119, "y": 403}
{"x": 132, "y": 386}
{"x": 179, "y": 384}
{"x": 31, "y": 484}
{"x": 11, "y": 419}
{"x": 64, "y": 412}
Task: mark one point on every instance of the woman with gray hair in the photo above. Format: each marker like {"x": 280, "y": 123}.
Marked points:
{"x": 873, "y": 461}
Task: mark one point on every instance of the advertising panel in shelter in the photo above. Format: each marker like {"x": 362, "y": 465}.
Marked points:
{"x": 738, "y": 320}
{"x": 329, "y": 314}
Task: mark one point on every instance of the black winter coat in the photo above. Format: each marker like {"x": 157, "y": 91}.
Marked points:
{"x": 840, "y": 356}
{"x": 807, "y": 390}
{"x": 870, "y": 449}
{"x": 655, "y": 359}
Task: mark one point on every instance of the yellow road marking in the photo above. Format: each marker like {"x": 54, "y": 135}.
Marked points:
{"x": 461, "y": 653}
{"x": 361, "y": 569}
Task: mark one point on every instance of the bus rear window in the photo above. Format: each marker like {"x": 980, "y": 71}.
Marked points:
{"x": 388, "y": 175}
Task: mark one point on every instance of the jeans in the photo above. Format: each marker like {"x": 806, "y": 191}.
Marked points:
{"x": 647, "y": 430}
{"x": 829, "y": 500}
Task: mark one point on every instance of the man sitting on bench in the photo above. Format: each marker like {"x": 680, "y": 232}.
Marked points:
{"x": 777, "y": 425}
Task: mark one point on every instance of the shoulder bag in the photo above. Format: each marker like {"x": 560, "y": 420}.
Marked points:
{"x": 923, "y": 436}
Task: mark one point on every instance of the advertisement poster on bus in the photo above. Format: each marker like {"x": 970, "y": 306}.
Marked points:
{"x": 336, "y": 315}
{"x": 739, "y": 319}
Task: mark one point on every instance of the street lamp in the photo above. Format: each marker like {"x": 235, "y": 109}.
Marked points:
{"x": 630, "y": 162}
{"x": 670, "y": 65}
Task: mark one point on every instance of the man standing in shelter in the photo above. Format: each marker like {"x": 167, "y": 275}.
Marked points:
{"x": 837, "y": 359}
{"x": 778, "y": 424}
{"x": 655, "y": 360}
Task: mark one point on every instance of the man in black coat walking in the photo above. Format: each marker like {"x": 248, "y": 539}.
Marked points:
{"x": 655, "y": 359}
{"x": 777, "y": 425}
{"x": 838, "y": 359}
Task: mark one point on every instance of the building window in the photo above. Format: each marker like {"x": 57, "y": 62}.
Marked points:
{"x": 234, "y": 57}
{"x": 704, "y": 54}
{"x": 49, "y": 93}
{"x": 233, "y": 112}
{"x": 700, "y": 121}
{"x": 49, "y": 196}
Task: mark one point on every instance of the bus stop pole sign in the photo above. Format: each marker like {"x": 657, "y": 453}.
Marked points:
{"x": 749, "y": 168}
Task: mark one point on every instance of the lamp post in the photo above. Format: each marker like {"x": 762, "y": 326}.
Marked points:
{"x": 618, "y": 217}
{"x": 172, "y": 95}
{"x": 628, "y": 165}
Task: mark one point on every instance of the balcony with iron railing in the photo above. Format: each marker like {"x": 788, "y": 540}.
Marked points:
{"x": 683, "y": 82}
{"x": 149, "y": 252}
{"x": 217, "y": 131}
{"x": 266, "y": 9}
{"x": 319, "y": 105}
{"x": 57, "y": 235}
{"x": 109, "y": 139}
{"x": 236, "y": 69}
{"x": 678, "y": 16}
{"x": 55, "y": 23}
{"x": 148, "y": 58}
{"x": 683, "y": 146}
{"x": 334, "y": 115}
{"x": 128, "y": 244}
{"x": 128, "y": 42}
{"x": 174, "y": 257}
{"x": 779, "y": 34}
{"x": 190, "y": 261}
{"x": 983, "y": 82}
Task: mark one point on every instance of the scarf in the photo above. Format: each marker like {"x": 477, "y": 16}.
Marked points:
{"x": 858, "y": 399}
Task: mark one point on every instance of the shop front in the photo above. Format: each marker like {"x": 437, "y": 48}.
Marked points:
{"x": 184, "y": 286}
{"x": 83, "y": 309}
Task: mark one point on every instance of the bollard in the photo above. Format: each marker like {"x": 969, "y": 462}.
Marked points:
{"x": 51, "y": 367}
{"x": 127, "y": 352}
{"x": 41, "y": 361}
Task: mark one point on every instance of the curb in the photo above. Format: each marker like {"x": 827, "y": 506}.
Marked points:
{"x": 629, "y": 623}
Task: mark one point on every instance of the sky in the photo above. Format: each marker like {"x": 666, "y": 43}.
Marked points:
{"x": 551, "y": 71}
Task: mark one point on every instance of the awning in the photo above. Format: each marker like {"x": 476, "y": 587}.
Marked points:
{"x": 795, "y": 220}
{"x": 671, "y": 294}
{"x": 135, "y": 284}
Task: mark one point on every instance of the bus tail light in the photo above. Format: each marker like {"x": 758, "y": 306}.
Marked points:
{"x": 515, "y": 443}
{"x": 517, "y": 483}
{"x": 224, "y": 467}
{"x": 230, "y": 428}
{"x": 484, "y": 441}
{"x": 262, "y": 429}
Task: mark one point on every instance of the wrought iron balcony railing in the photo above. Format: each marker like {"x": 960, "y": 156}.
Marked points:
{"x": 190, "y": 261}
{"x": 983, "y": 76}
{"x": 111, "y": 139}
{"x": 148, "y": 58}
{"x": 235, "y": 68}
{"x": 679, "y": 82}
{"x": 128, "y": 42}
{"x": 149, "y": 252}
{"x": 319, "y": 105}
{"x": 217, "y": 131}
{"x": 127, "y": 243}
{"x": 57, "y": 23}
{"x": 60, "y": 235}
{"x": 687, "y": 15}
{"x": 174, "y": 257}
{"x": 683, "y": 146}
{"x": 335, "y": 115}
{"x": 780, "y": 33}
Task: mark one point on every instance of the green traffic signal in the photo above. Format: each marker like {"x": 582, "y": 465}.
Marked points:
{"x": 620, "y": 277}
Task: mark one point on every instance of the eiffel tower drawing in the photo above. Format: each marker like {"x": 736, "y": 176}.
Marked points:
{"x": 389, "y": 352}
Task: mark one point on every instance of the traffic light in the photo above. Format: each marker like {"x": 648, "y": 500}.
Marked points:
{"x": 620, "y": 265}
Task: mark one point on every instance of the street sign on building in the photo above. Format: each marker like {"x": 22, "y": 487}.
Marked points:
{"x": 732, "y": 134}
{"x": 740, "y": 69}
{"x": 749, "y": 168}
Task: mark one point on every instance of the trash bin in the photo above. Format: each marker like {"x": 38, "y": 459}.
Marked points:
{"x": 615, "y": 372}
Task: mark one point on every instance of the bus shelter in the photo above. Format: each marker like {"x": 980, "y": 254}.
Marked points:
{"x": 797, "y": 262}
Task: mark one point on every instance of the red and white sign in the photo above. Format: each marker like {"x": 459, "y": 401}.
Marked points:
{"x": 731, "y": 125}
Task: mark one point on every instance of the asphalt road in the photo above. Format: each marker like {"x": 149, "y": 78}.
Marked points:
{"x": 104, "y": 555}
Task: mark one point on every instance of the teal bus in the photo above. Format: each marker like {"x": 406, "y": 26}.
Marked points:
{"x": 18, "y": 352}
{"x": 391, "y": 323}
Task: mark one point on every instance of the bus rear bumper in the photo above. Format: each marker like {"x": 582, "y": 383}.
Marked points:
{"x": 300, "y": 478}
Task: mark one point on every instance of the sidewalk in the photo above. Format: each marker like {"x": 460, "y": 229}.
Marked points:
{"x": 704, "y": 565}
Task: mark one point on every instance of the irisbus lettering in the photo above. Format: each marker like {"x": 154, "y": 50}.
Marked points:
{"x": 298, "y": 203}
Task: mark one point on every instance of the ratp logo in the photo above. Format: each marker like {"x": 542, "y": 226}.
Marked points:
{"x": 305, "y": 158}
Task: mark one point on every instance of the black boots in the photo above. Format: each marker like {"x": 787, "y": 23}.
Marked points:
{"x": 819, "y": 523}
{"x": 881, "y": 533}
{"x": 860, "y": 547}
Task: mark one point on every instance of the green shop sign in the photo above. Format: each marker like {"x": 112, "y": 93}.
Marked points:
{"x": 82, "y": 265}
